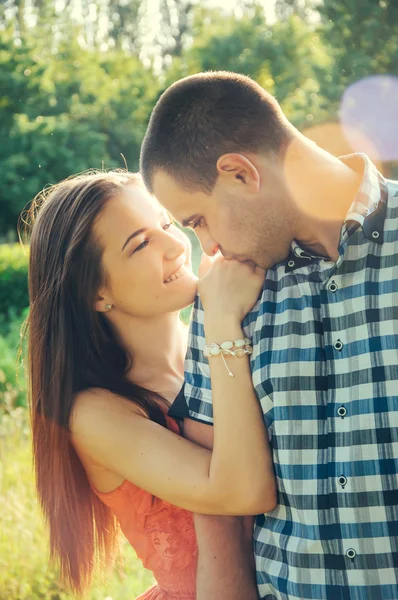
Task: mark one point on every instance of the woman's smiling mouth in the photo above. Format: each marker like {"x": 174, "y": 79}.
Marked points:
{"x": 176, "y": 275}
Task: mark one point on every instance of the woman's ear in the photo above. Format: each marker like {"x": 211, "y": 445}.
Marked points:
{"x": 103, "y": 302}
{"x": 240, "y": 169}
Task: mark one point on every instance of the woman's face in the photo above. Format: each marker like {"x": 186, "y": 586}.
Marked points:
{"x": 146, "y": 259}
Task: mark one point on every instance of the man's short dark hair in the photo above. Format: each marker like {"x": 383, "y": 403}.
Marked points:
{"x": 202, "y": 117}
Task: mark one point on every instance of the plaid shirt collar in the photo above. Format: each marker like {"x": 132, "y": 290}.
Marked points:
{"x": 368, "y": 209}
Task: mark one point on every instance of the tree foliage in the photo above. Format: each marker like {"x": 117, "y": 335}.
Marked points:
{"x": 79, "y": 77}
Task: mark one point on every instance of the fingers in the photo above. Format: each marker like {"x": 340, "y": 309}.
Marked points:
{"x": 208, "y": 261}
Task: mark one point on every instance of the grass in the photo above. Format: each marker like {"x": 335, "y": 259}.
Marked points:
{"x": 24, "y": 572}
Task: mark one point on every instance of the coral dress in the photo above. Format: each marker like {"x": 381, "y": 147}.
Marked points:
{"x": 162, "y": 535}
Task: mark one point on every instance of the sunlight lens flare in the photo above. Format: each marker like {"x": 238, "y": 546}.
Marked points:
{"x": 369, "y": 109}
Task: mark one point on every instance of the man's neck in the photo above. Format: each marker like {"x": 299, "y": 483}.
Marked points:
{"x": 322, "y": 189}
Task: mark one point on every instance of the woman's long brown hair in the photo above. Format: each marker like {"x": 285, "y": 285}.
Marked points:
{"x": 71, "y": 348}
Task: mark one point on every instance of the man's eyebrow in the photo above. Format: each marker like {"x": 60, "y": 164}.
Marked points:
{"x": 133, "y": 235}
{"x": 186, "y": 222}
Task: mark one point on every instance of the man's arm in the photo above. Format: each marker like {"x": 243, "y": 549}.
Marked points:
{"x": 226, "y": 568}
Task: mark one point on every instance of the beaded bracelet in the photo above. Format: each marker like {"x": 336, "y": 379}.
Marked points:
{"x": 238, "y": 348}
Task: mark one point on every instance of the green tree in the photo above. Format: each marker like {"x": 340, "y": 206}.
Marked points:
{"x": 65, "y": 113}
{"x": 303, "y": 9}
{"x": 363, "y": 40}
{"x": 125, "y": 24}
{"x": 176, "y": 25}
{"x": 287, "y": 58}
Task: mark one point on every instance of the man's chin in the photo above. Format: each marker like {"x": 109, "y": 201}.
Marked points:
{"x": 268, "y": 263}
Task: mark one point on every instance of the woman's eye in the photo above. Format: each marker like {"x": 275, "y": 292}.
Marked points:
{"x": 141, "y": 246}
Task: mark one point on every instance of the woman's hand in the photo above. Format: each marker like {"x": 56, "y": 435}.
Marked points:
{"x": 229, "y": 288}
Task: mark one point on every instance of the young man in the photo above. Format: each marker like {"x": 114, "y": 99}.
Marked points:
{"x": 222, "y": 157}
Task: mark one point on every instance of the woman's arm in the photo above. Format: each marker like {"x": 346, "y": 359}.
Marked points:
{"x": 237, "y": 477}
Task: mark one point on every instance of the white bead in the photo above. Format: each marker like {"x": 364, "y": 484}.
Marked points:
{"x": 239, "y": 343}
{"x": 215, "y": 350}
{"x": 239, "y": 352}
{"x": 248, "y": 342}
{"x": 227, "y": 345}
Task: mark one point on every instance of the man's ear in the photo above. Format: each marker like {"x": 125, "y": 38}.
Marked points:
{"x": 240, "y": 170}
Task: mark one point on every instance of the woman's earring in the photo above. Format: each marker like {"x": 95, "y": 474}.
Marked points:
{"x": 108, "y": 307}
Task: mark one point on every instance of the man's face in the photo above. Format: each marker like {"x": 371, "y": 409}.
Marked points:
{"x": 232, "y": 219}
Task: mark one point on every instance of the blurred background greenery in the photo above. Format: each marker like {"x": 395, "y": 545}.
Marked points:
{"x": 78, "y": 79}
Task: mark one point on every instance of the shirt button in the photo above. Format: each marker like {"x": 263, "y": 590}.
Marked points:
{"x": 342, "y": 411}
{"x": 333, "y": 286}
{"x": 291, "y": 263}
{"x": 375, "y": 235}
{"x": 338, "y": 345}
{"x": 351, "y": 553}
{"x": 342, "y": 481}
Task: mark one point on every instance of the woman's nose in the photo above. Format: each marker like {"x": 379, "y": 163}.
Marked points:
{"x": 174, "y": 246}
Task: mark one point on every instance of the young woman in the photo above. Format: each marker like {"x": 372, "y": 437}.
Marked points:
{"x": 109, "y": 273}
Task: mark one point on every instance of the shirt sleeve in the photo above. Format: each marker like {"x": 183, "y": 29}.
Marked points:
{"x": 195, "y": 400}
{"x": 197, "y": 388}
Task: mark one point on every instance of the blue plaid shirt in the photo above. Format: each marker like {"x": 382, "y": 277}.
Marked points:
{"x": 325, "y": 370}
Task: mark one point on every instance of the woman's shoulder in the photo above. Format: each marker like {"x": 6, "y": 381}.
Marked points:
{"x": 88, "y": 419}
{"x": 98, "y": 406}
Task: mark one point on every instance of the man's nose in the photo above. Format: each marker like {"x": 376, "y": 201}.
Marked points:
{"x": 209, "y": 246}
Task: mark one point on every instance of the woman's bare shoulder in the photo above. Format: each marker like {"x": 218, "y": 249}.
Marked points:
{"x": 95, "y": 407}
